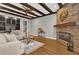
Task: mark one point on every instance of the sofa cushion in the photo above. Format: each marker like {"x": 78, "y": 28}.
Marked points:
{"x": 2, "y": 39}
{"x": 10, "y": 37}
{"x": 19, "y": 34}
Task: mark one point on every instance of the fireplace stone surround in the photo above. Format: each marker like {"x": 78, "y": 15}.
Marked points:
{"x": 69, "y": 24}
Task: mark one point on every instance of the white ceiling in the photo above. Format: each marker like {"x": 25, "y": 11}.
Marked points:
{"x": 53, "y": 6}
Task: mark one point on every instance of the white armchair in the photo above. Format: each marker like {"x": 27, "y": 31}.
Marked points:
{"x": 10, "y": 48}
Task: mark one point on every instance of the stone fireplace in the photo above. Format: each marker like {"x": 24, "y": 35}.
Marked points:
{"x": 67, "y": 27}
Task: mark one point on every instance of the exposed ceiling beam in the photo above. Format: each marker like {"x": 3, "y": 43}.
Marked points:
{"x": 45, "y": 15}
{"x": 15, "y": 7}
{"x": 46, "y": 7}
{"x": 14, "y": 11}
{"x": 29, "y": 6}
{"x": 13, "y": 14}
{"x": 60, "y": 5}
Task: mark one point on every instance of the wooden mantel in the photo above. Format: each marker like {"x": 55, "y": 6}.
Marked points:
{"x": 66, "y": 24}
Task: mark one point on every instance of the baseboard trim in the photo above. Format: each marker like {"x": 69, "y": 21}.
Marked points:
{"x": 45, "y": 37}
{"x": 50, "y": 38}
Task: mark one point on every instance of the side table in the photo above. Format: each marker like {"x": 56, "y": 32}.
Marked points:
{"x": 41, "y": 34}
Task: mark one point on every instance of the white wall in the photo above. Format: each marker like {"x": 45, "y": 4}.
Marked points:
{"x": 47, "y": 24}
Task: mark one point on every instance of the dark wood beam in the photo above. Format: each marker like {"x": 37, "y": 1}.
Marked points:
{"x": 46, "y": 7}
{"x": 45, "y": 15}
{"x": 29, "y": 6}
{"x": 13, "y": 14}
{"x": 18, "y": 8}
{"x": 60, "y": 5}
{"x": 14, "y": 11}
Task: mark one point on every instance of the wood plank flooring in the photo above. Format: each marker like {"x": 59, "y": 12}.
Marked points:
{"x": 52, "y": 47}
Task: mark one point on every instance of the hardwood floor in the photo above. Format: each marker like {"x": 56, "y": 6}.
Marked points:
{"x": 52, "y": 47}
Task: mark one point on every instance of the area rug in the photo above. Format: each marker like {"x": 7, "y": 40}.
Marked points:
{"x": 33, "y": 46}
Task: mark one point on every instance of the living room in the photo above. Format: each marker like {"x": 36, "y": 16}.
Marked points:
{"x": 39, "y": 29}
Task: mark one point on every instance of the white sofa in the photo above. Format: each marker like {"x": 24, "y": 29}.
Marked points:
{"x": 10, "y": 48}
{"x": 19, "y": 34}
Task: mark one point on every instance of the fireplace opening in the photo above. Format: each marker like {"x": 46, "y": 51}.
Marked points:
{"x": 68, "y": 37}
